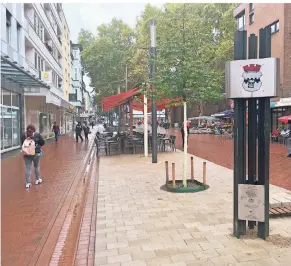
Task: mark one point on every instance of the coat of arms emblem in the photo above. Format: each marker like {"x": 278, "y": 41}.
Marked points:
{"x": 252, "y": 77}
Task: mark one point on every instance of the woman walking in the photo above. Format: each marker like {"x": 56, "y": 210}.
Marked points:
{"x": 56, "y": 130}
{"x": 32, "y": 142}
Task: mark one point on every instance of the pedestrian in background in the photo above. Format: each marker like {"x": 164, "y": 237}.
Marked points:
{"x": 78, "y": 131}
{"x": 86, "y": 131}
{"x": 32, "y": 142}
{"x": 56, "y": 130}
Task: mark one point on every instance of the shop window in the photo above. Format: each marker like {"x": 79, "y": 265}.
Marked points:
{"x": 15, "y": 127}
{"x": 6, "y": 122}
{"x": 6, "y": 98}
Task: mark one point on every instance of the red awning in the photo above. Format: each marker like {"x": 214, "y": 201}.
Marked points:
{"x": 116, "y": 100}
{"x": 136, "y": 94}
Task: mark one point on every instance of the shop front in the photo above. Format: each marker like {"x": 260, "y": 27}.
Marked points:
{"x": 281, "y": 108}
{"x": 10, "y": 120}
{"x": 12, "y": 117}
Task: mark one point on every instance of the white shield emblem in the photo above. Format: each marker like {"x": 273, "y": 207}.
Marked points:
{"x": 252, "y": 77}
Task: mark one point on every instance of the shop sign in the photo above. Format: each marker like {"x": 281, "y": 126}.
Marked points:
{"x": 71, "y": 107}
{"x": 283, "y": 102}
{"x": 253, "y": 78}
{"x": 251, "y": 202}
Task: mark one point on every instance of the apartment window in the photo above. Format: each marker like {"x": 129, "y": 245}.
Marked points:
{"x": 38, "y": 62}
{"x": 274, "y": 27}
{"x": 241, "y": 22}
{"x": 38, "y": 27}
{"x": 55, "y": 79}
{"x": 8, "y": 27}
{"x": 18, "y": 37}
{"x": 252, "y": 13}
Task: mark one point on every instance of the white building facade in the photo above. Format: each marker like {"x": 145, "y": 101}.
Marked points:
{"x": 43, "y": 51}
{"x": 15, "y": 75}
{"x": 76, "y": 96}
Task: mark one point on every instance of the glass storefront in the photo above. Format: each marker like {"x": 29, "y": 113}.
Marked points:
{"x": 10, "y": 120}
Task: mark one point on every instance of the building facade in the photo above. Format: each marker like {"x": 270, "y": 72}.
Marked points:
{"x": 35, "y": 71}
{"x": 252, "y": 17}
{"x": 76, "y": 96}
{"x": 44, "y": 52}
{"x": 15, "y": 75}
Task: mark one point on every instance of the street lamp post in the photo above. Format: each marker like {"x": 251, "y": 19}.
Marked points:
{"x": 153, "y": 51}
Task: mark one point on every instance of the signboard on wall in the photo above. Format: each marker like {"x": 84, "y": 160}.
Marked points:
{"x": 253, "y": 78}
{"x": 251, "y": 204}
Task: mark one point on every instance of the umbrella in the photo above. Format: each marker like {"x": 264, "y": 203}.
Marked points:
{"x": 285, "y": 119}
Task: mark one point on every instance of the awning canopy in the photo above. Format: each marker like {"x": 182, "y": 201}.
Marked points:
{"x": 17, "y": 74}
{"x": 137, "y": 97}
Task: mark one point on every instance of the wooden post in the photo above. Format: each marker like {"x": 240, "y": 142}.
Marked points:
{"x": 204, "y": 173}
{"x": 192, "y": 168}
{"x": 167, "y": 171}
{"x": 173, "y": 175}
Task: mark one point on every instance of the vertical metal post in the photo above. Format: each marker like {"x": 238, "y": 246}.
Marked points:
{"x": 239, "y": 226}
{"x": 119, "y": 113}
{"x": 131, "y": 118}
{"x": 153, "y": 52}
{"x": 252, "y": 126}
{"x": 264, "y": 137}
{"x": 264, "y": 160}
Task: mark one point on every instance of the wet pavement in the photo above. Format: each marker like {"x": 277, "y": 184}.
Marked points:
{"x": 220, "y": 151}
{"x": 28, "y": 215}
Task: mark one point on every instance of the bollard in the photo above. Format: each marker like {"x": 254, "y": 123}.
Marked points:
{"x": 204, "y": 173}
{"x": 192, "y": 168}
{"x": 173, "y": 175}
{"x": 167, "y": 171}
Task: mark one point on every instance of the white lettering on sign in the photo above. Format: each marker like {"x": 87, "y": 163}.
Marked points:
{"x": 251, "y": 202}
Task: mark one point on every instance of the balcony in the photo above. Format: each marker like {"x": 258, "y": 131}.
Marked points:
{"x": 44, "y": 48}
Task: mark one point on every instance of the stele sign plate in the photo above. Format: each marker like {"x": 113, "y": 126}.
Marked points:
{"x": 253, "y": 78}
{"x": 251, "y": 203}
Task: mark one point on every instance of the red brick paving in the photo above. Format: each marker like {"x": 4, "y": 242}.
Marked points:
{"x": 215, "y": 149}
{"x": 28, "y": 215}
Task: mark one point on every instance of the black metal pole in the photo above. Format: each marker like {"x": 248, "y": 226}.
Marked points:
{"x": 239, "y": 226}
{"x": 264, "y": 137}
{"x": 153, "y": 52}
{"x": 252, "y": 126}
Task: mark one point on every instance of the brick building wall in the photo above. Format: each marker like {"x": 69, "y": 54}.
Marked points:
{"x": 265, "y": 15}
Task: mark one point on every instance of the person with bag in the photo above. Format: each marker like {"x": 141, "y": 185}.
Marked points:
{"x": 56, "y": 130}
{"x": 78, "y": 131}
{"x": 31, "y": 150}
{"x": 86, "y": 129}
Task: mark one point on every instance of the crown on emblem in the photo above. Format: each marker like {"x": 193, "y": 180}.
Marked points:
{"x": 252, "y": 68}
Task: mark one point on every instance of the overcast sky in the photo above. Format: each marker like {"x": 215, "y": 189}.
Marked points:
{"x": 90, "y": 15}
